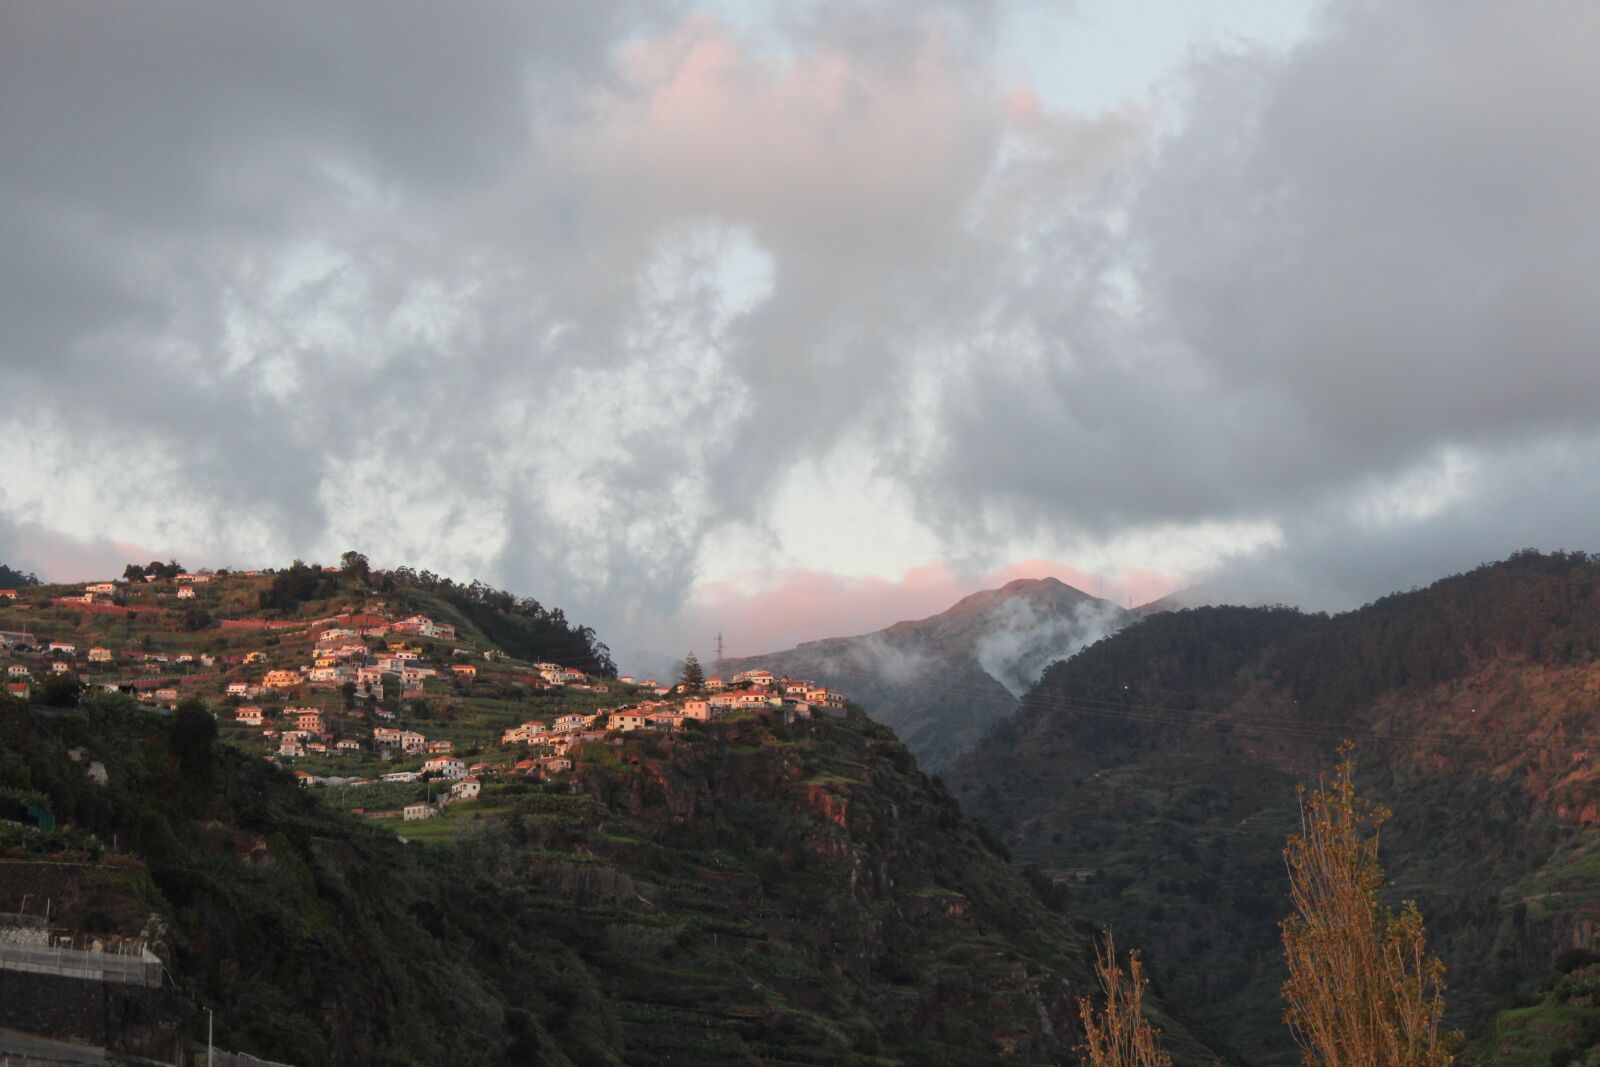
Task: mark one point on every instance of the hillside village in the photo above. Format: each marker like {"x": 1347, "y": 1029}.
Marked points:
{"x": 403, "y": 715}
{"x": 379, "y": 817}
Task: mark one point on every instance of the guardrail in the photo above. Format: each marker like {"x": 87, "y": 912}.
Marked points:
{"x": 143, "y": 969}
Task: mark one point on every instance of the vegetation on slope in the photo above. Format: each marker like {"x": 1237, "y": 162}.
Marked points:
{"x": 1155, "y": 774}
{"x": 747, "y": 892}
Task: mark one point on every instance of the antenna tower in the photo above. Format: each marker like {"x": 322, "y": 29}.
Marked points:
{"x": 719, "y": 653}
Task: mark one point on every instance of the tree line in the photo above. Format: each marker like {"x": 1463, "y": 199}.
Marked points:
{"x": 11, "y": 578}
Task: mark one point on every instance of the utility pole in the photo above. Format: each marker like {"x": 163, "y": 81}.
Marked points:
{"x": 210, "y": 1031}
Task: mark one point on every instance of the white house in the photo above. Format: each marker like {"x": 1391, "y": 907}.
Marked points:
{"x": 419, "y": 810}
{"x": 466, "y": 789}
{"x": 448, "y": 766}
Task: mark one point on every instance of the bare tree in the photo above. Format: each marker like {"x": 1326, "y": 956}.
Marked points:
{"x": 1120, "y": 1035}
{"x": 1363, "y": 990}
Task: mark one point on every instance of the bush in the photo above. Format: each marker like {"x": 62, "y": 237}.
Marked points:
{"x": 58, "y": 691}
{"x": 193, "y": 738}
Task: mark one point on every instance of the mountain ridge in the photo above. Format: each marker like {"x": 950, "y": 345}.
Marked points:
{"x": 941, "y": 681}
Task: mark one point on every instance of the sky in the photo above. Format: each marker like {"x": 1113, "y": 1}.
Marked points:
{"x": 792, "y": 320}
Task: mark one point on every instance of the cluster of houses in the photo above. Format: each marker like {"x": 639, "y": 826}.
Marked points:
{"x": 465, "y": 787}
{"x": 305, "y": 732}
{"x": 340, "y": 656}
{"x": 371, "y": 656}
{"x": 752, "y": 690}
{"x": 99, "y": 593}
{"x": 461, "y": 786}
{"x": 29, "y": 659}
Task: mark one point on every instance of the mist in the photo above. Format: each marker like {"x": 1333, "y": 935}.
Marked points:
{"x": 1021, "y": 645}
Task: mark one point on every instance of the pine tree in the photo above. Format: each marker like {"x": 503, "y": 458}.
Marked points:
{"x": 693, "y": 679}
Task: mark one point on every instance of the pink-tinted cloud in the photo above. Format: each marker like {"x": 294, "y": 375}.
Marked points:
{"x": 842, "y": 138}
{"x": 59, "y": 557}
{"x": 802, "y": 605}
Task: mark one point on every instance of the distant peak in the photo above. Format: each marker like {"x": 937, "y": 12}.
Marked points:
{"x": 1017, "y": 585}
{"x": 1052, "y": 588}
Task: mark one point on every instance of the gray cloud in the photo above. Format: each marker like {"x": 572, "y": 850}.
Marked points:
{"x": 1346, "y": 260}
{"x": 1022, "y": 644}
{"x": 549, "y": 294}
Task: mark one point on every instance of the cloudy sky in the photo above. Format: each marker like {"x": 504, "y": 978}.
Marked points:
{"x": 794, "y": 319}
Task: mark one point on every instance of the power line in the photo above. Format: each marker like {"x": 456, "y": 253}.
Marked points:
{"x": 1166, "y": 715}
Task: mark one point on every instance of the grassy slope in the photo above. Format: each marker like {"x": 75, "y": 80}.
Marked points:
{"x": 1555, "y": 1027}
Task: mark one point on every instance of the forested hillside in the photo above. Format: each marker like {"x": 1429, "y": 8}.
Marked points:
{"x": 1155, "y": 775}
{"x": 747, "y": 892}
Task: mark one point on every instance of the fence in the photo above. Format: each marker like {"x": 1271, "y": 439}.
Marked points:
{"x": 142, "y": 969}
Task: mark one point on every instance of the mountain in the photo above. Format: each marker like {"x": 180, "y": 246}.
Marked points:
{"x": 941, "y": 682}
{"x": 766, "y": 887}
{"x": 1154, "y": 774}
